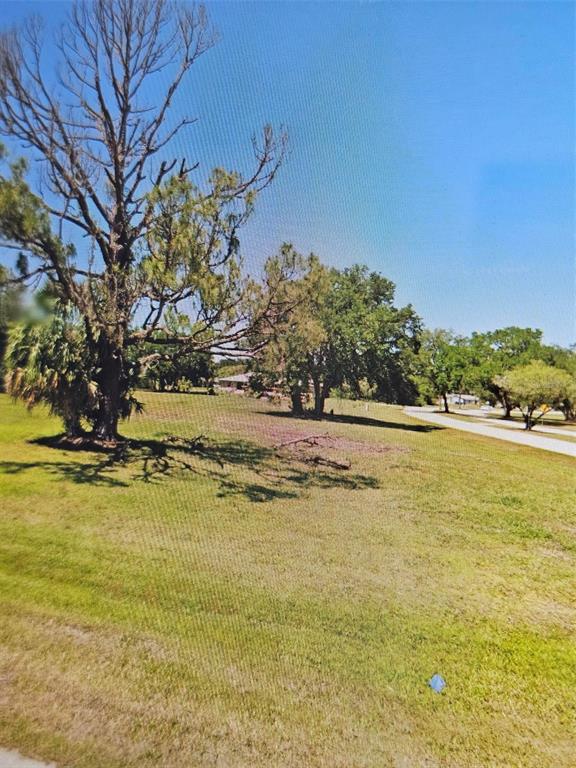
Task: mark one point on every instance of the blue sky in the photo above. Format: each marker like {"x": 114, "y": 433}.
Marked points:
{"x": 433, "y": 141}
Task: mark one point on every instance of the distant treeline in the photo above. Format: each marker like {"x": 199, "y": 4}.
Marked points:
{"x": 343, "y": 336}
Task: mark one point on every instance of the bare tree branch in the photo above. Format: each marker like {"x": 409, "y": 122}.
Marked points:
{"x": 102, "y": 133}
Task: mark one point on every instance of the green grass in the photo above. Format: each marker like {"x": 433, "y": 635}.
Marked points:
{"x": 221, "y": 603}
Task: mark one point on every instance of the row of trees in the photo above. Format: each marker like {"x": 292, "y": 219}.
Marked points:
{"x": 341, "y": 333}
{"x": 344, "y": 333}
{"x": 511, "y": 366}
{"x": 347, "y": 336}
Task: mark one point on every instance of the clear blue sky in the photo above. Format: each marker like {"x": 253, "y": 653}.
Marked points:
{"x": 433, "y": 141}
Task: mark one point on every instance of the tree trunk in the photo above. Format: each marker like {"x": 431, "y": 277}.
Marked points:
{"x": 445, "y": 401}
{"x": 507, "y": 407}
{"x": 319, "y": 398}
{"x": 296, "y": 400}
{"x": 72, "y": 424}
{"x": 110, "y": 383}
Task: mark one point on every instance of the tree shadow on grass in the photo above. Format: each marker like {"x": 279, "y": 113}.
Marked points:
{"x": 363, "y": 421}
{"x": 238, "y": 467}
{"x": 93, "y": 473}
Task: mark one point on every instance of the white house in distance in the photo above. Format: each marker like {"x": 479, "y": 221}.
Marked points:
{"x": 239, "y": 382}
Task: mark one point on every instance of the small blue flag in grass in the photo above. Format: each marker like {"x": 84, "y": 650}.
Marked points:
{"x": 437, "y": 683}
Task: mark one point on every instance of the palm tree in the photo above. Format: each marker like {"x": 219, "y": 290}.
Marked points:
{"x": 47, "y": 362}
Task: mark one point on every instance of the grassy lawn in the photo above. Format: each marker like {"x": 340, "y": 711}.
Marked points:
{"x": 217, "y": 602}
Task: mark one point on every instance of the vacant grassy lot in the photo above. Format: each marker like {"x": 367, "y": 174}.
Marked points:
{"x": 217, "y": 602}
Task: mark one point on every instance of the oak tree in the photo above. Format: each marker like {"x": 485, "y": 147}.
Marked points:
{"x": 536, "y": 388}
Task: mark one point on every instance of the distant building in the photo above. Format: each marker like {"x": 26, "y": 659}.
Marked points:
{"x": 239, "y": 382}
{"x": 455, "y": 398}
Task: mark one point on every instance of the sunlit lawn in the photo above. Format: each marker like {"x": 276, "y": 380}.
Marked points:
{"x": 217, "y": 602}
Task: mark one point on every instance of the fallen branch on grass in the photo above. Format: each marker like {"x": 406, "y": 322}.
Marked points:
{"x": 319, "y": 460}
{"x": 309, "y": 440}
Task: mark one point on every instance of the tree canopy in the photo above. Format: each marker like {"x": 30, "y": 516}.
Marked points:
{"x": 493, "y": 353}
{"x": 536, "y": 387}
{"x": 443, "y": 363}
{"x": 345, "y": 330}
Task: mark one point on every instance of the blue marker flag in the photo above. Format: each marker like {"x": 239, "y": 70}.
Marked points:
{"x": 437, "y": 683}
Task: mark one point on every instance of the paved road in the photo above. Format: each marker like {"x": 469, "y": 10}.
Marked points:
{"x": 520, "y": 437}
{"x": 9, "y": 758}
{"x": 478, "y": 416}
{"x": 538, "y": 429}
